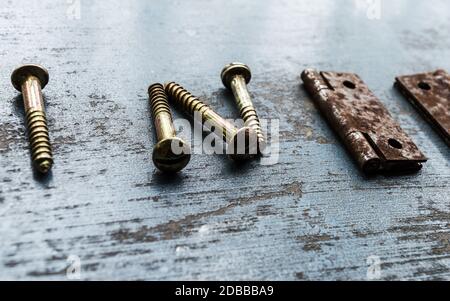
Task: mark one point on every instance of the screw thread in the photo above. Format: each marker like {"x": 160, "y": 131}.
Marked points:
{"x": 158, "y": 100}
{"x": 191, "y": 104}
{"x": 161, "y": 114}
{"x": 41, "y": 149}
{"x": 251, "y": 120}
{"x": 246, "y": 108}
{"x": 185, "y": 100}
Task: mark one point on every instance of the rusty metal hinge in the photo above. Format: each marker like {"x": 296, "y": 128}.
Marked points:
{"x": 430, "y": 94}
{"x": 377, "y": 142}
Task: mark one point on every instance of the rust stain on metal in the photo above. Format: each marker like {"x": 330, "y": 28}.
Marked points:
{"x": 377, "y": 142}
{"x": 430, "y": 94}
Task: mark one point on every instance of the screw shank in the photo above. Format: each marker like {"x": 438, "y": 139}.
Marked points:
{"x": 239, "y": 88}
{"x": 41, "y": 149}
{"x": 32, "y": 94}
{"x": 164, "y": 126}
{"x": 213, "y": 119}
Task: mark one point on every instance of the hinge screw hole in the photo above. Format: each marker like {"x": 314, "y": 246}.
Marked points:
{"x": 395, "y": 144}
{"x": 424, "y": 86}
{"x": 349, "y": 84}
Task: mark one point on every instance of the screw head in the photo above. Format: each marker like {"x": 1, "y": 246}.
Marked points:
{"x": 372, "y": 166}
{"x": 20, "y": 75}
{"x": 233, "y": 69}
{"x": 248, "y": 150}
{"x": 171, "y": 155}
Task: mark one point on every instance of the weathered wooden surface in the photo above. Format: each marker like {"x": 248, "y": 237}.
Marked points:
{"x": 312, "y": 216}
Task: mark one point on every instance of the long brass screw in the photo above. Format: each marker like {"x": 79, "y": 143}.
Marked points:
{"x": 233, "y": 136}
{"x": 235, "y": 77}
{"x": 171, "y": 154}
{"x": 30, "y": 80}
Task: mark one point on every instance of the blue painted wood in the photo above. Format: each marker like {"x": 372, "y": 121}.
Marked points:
{"x": 312, "y": 216}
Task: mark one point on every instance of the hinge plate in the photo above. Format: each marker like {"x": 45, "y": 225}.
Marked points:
{"x": 374, "y": 138}
{"x": 430, "y": 94}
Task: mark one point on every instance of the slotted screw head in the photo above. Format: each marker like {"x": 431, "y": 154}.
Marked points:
{"x": 164, "y": 157}
{"x": 20, "y": 75}
{"x": 233, "y": 69}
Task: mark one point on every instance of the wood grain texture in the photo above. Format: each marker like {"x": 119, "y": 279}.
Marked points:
{"x": 312, "y": 216}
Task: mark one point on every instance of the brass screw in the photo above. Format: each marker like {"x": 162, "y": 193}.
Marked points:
{"x": 231, "y": 134}
{"x": 30, "y": 80}
{"x": 171, "y": 154}
{"x": 235, "y": 77}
